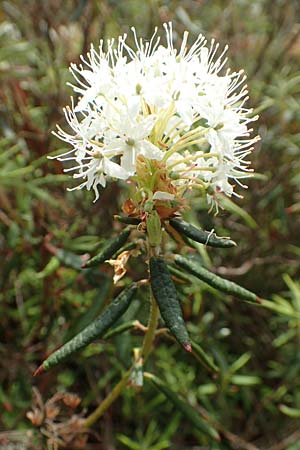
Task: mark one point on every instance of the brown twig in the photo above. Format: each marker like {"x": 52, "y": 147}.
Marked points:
{"x": 285, "y": 443}
{"x": 237, "y": 442}
{"x": 247, "y": 265}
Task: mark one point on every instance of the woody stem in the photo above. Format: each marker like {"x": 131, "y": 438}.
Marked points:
{"x": 152, "y": 322}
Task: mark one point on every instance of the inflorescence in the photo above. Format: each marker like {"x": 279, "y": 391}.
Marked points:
{"x": 157, "y": 110}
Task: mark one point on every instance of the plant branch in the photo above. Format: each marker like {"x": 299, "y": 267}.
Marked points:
{"x": 112, "y": 396}
{"x": 151, "y": 329}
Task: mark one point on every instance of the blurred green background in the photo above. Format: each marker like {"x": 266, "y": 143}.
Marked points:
{"x": 45, "y": 295}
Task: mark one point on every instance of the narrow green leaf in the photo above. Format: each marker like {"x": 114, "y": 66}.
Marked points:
{"x": 291, "y": 412}
{"x": 284, "y": 338}
{"x": 207, "y": 389}
{"x": 223, "y": 285}
{"x": 285, "y": 310}
{"x": 245, "y": 380}
{"x": 129, "y": 442}
{"x": 126, "y": 247}
{"x": 16, "y": 173}
{"x": 109, "y": 249}
{"x": 50, "y": 179}
{"x": 179, "y": 274}
{"x": 127, "y": 220}
{"x": 6, "y": 155}
{"x": 50, "y": 268}
{"x": 94, "y": 330}
{"x": 239, "y": 363}
{"x": 205, "y": 359}
{"x": 295, "y": 290}
{"x": 94, "y": 310}
{"x": 43, "y": 195}
{"x": 120, "y": 329}
{"x": 166, "y": 297}
{"x": 69, "y": 259}
{"x": 234, "y": 208}
{"x": 185, "y": 408}
{"x": 201, "y": 236}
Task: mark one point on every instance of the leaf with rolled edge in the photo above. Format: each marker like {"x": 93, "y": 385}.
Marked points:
{"x": 204, "y": 237}
{"x": 69, "y": 259}
{"x": 185, "y": 408}
{"x": 181, "y": 239}
{"x": 223, "y": 285}
{"x": 109, "y": 249}
{"x": 127, "y": 247}
{"x": 128, "y": 220}
{"x": 94, "y": 330}
{"x": 96, "y": 307}
{"x": 166, "y": 297}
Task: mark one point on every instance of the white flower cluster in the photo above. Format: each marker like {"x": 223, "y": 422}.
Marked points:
{"x": 173, "y": 107}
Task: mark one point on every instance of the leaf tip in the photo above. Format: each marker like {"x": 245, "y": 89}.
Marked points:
{"x": 187, "y": 347}
{"x": 218, "y": 437}
{"x": 39, "y": 371}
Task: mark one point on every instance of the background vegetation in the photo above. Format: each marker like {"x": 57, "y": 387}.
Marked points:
{"x": 44, "y": 294}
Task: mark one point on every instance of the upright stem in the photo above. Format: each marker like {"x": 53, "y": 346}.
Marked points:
{"x": 153, "y": 320}
{"x": 112, "y": 396}
{"x": 152, "y": 325}
{"x": 146, "y": 350}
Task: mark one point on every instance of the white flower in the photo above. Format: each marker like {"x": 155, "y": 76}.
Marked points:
{"x": 174, "y": 107}
{"x": 96, "y": 171}
{"x": 130, "y": 140}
